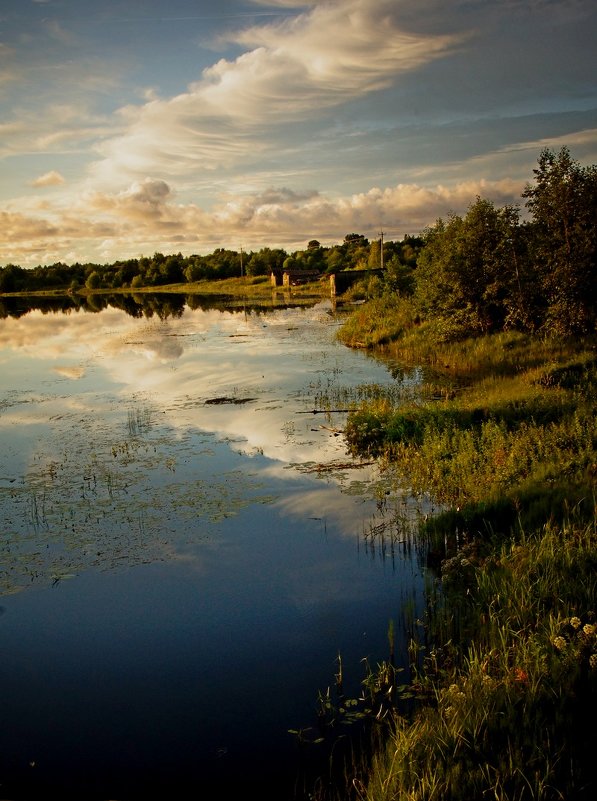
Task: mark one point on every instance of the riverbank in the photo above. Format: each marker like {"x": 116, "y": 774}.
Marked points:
{"x": 258, "y": 287}
{"x": 504, "y": 666}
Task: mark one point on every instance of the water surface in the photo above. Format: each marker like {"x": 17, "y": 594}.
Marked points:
{"x": 185, "y": 548}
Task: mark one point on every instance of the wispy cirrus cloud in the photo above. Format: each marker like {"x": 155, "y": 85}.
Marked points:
{"x": 318, "y": 118}
{"x": 290, "y": 71}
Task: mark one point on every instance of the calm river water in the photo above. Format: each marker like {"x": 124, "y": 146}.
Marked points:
{"x": 185, "y": 549}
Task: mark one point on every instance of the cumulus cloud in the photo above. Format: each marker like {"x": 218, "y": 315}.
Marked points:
{"x": 145, "y": 217}
{"x": 405, "y": 208}
{"x": 342, "y": 94}
{"x": 142, "y": 201}
{"x": 52, "y": 178}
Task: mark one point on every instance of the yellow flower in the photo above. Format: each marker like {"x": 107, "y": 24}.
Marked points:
{"x": 575, "y": 622}
{"x": 589, "y": 628}
{"x": 559, "y": 643}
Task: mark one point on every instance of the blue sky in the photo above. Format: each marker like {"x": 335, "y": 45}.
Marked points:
{"x": 134, "y": 126}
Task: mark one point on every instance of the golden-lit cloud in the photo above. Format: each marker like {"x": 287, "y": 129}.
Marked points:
{"x": 73, "y": 372}
{"x": 52, "y": 178}
{"x": 18, "y": 227}
{"x": 146, "y": 217}
{"x": 304, "y": 122}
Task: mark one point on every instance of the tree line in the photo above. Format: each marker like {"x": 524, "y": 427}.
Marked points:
{"x": 474, "y": 274}
{"x": 489, "y": 271}
{"x": 159, "y": 270}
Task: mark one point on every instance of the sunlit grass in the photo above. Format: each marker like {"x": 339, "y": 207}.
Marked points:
{"x": 504, "y": 677}
{"x": 506, "y": 713}
{"x": 376, "y": 323}
{"x": 517, "y": 424}
{"x": 503, "y": 436}
{"x": 249, "y": 287}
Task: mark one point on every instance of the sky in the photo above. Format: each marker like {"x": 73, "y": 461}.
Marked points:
{"x": 129, "y": 127}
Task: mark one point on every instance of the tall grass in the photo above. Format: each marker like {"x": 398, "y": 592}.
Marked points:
{"x": 504, "y": 677}
{"x": 377, "y": 323}
{"x": 517, "y": 431}
{"x": 508, "y": 713}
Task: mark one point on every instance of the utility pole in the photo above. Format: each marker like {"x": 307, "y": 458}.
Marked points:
{"x": 381, "y": 249}
{"x": 241, "y": 261}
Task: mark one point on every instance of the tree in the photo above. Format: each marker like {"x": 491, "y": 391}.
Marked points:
{"x": 563, "y": 240}
{"x": 355, "y": 239}
{"x": 374, "y": 258}
{"x": 195, "y": 269}
{"x": 335, "y": 259}
{"x": 223, "y": 263}
{"x": 126, "y": 271}
{"x": 399, "y": 279}
{"x": 94, "y": 280}
{"x": 171, "y": 270}
{"x": 12, "y": 278}
{"x": 356, "y": 251}
{"x": 466, "y": 272}
{"x": 292, "y": 262}
{"x": 265, "y": 261}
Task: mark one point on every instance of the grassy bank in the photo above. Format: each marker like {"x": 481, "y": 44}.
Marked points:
{"x": 504, "y": 667}
{"x": 254, "y": 288}
{"x": 509, "y": 695}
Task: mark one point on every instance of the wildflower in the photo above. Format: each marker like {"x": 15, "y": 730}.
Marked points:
{"x": 593, "y": 661}
{"x": 589, "y": 629}
{"x": 559, "y": 643}
{"x": 520, "y": 675}
{"x": 575, "y": 622}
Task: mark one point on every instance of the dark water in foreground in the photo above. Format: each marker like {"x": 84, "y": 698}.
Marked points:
{"x": 184, "y": 550}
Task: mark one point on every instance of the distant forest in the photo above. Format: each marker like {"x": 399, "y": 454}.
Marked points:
{"x": 475, "y": 274}
{"x": 355, "y": 252}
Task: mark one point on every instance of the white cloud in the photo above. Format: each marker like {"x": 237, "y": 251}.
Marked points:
{"x": 52, "y": 178}
{"x": 56, "y": 128}
{"x": 291, "y": 71}
{"x": 345, "y": 95}
{"x": 343, "y": 49}
{"x": 145, "y": 217}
